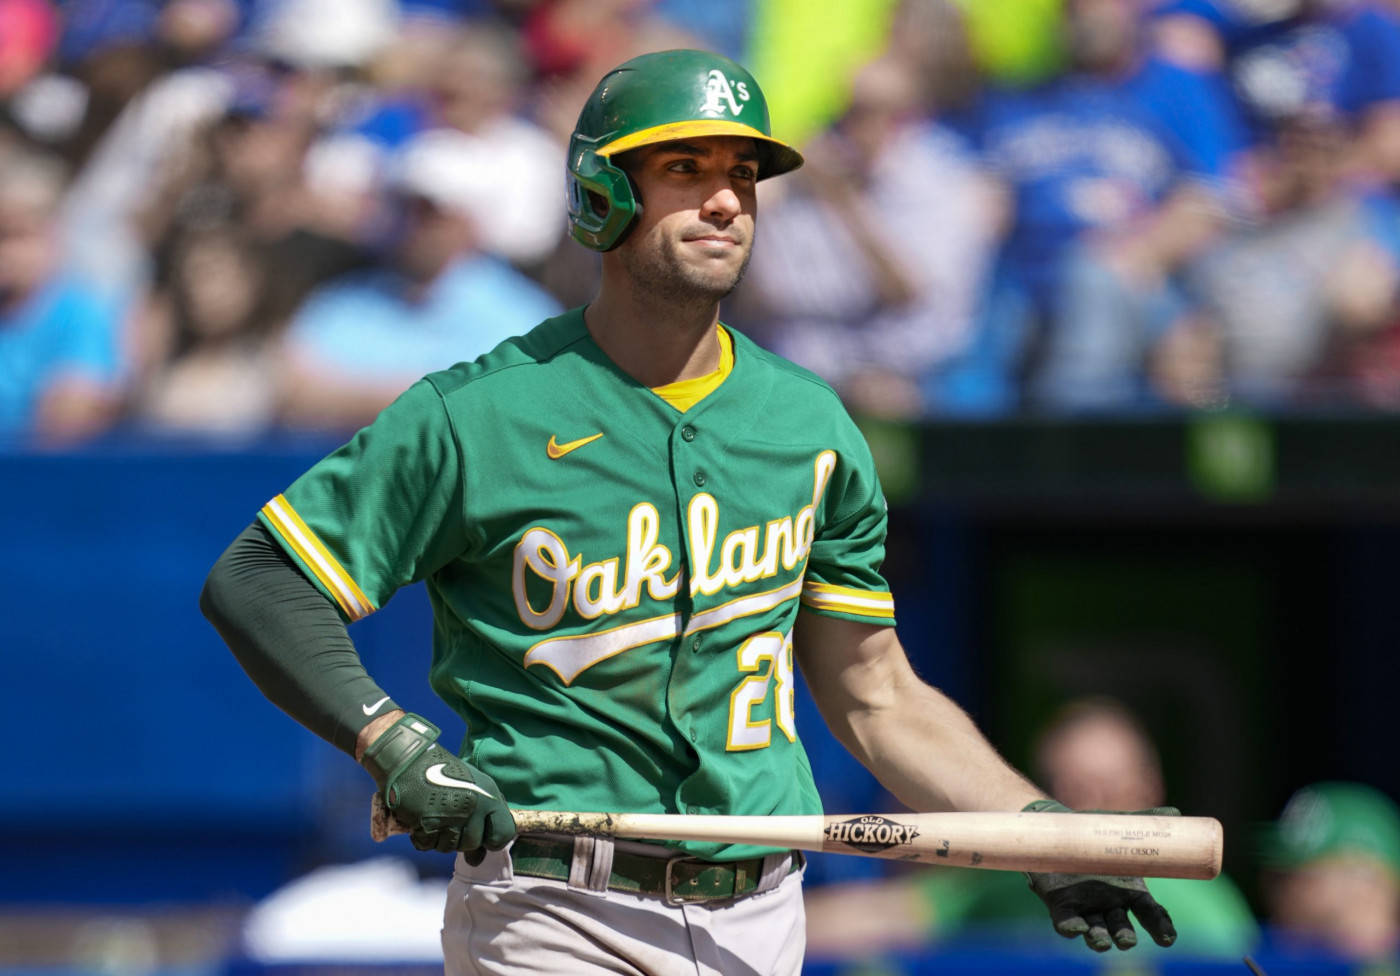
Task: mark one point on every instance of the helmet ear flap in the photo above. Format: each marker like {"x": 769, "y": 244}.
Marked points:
{"x": 594, "y": 179}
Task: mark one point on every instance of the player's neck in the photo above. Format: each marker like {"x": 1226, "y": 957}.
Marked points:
{"x": 654, "y": 343}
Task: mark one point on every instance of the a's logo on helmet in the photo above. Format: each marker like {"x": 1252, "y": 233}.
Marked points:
{"x": 722, "y": 95}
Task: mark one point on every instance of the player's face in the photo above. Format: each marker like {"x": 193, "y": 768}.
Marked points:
{"x": 695, "y": 232}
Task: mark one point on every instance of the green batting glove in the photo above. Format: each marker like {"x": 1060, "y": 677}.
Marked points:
{"x": 447, "y": 804}
{"x": 1096, "y": 906}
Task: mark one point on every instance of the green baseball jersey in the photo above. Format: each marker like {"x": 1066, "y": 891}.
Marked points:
{"x": 613, "y": 582}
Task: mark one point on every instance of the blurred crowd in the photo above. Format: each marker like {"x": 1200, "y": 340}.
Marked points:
{"x": 221, "y": 217}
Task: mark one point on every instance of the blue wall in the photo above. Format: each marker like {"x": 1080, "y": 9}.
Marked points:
{"x": 143, "y": 763}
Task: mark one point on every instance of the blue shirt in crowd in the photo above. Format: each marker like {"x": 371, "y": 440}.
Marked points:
{"x": 1084, "y": 153}
{"x": 366, "y": 327}
{"x": 1238, "y": 22}
{"x": 64, "y": 329}
{"x": 1338, "y": 62}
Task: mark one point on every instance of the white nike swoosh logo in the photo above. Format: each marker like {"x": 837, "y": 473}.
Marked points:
{"x": 437, "y": 777}
{"x": 371, "y": 709}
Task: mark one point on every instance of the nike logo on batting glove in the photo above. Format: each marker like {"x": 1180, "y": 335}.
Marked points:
{"x": 437, "y": 777}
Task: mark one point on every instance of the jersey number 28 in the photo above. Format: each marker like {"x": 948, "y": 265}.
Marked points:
{"x": 762, "y": 657}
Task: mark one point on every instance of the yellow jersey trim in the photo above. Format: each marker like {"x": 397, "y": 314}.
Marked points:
{"x": 845, "y": 599}
{"x": 684, "y": 394}
{"x": 317, "y": 558}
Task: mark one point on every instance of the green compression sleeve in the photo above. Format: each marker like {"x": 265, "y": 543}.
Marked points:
{"x": 290, "y": 639}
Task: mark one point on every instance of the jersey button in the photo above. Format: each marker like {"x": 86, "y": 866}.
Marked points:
{"x": 699, "y": 479}
{"x": 695, "y": 644}
{"x": 688, "y": 433}
{"x": 693, "y": 735}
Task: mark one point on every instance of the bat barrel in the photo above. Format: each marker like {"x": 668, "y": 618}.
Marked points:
{"x": 1068, "y": 843}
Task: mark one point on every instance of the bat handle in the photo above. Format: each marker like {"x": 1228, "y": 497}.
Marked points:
{"x": 382, "y": 822}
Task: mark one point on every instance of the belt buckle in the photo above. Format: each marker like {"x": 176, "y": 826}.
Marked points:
{"x": 668, "y": 884}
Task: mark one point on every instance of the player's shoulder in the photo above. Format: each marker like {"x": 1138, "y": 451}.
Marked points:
{"x": 796, "y": 404}
{"x": 510, "y": 360}
{"x": 784, "y": 373}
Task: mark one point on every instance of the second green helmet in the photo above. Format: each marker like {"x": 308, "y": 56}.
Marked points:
{"x": 658, "y": 98}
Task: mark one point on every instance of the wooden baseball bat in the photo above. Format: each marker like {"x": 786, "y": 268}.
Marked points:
{"x": 1125, "y": 845}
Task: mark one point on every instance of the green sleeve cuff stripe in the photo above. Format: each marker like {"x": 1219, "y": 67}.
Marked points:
{"x": 313, "y": 553}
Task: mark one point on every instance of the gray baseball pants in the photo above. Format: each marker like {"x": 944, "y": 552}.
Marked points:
{"x": 497, "y": 922}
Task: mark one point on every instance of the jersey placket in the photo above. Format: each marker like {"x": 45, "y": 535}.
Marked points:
{"x": 689, "y": 478}
{"x": 707, "y": 672}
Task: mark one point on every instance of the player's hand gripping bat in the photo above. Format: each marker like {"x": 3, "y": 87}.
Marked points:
{"x": 1069, "y": 843}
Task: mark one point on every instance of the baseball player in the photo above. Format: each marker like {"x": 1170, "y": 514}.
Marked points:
{"x": 633, "y": 524}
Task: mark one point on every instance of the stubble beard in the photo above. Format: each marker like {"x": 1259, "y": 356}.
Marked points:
{"x": 663, "y": 273}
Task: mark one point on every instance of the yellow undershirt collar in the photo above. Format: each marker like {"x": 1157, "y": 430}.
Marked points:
{"x": 684, "y": 394}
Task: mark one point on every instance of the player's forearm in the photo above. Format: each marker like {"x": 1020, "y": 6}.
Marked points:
{"x": 927, "y": 752}
{"x": 290, "y": 640}
{"x": 917, "y": 741}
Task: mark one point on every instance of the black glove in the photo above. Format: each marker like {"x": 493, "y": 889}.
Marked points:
{"x": 1096, "y": 906}
{"x": 446, "y": 804}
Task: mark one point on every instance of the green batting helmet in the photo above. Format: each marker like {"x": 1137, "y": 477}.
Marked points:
{"x": 657, "y": 98}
